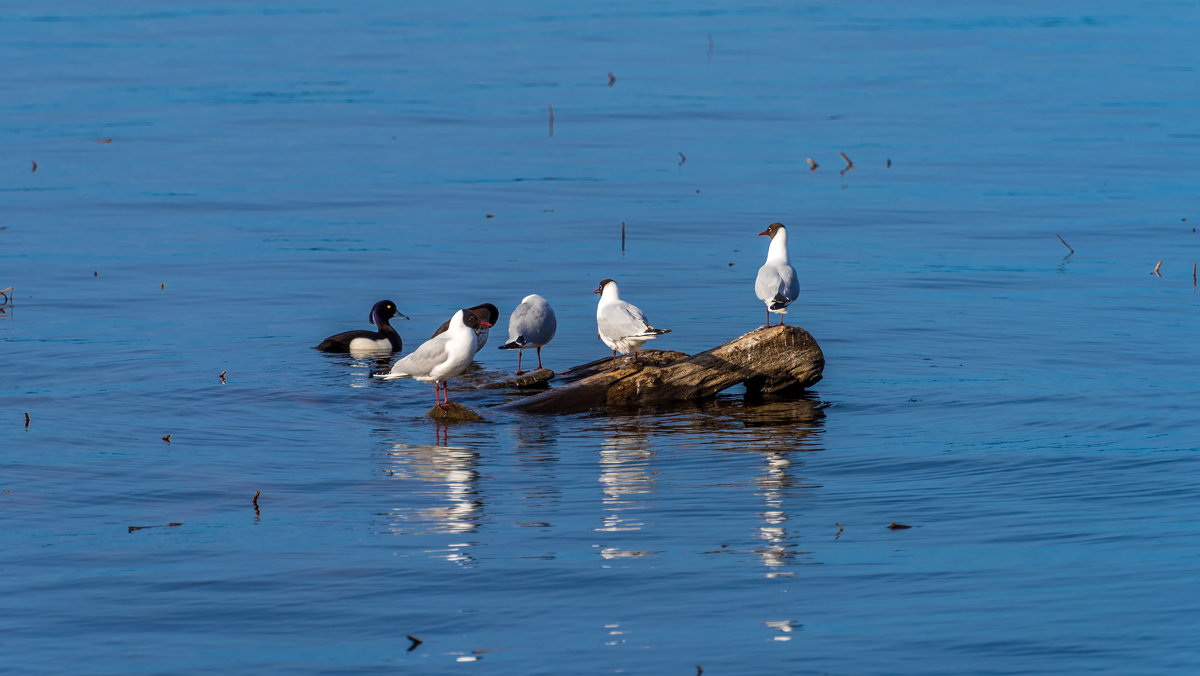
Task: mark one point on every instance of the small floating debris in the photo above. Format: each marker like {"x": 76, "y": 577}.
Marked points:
{"x": 104, "y": 140}
{"x": 849, "y": 164}
{"x": 7, "y": 295}
{"x": 612, "y": 79}
{"x": 415, "y": 642}
{"x": 167, "y": 438}
{"x": 223, "y": 377}
{"x": 163, "y": 286}
{"x": 173, "y": 524}
{"x": 812, "y": 164}
{"x": 551, "y": 119}
{"x": 34, "y": 167}
{"x": 1156, "y": 267}
{"x": 1064, "y": 242}
{"x": 682, "y": 159}
{"x": 898, "y": 526}
{"x": 26, "y": 420}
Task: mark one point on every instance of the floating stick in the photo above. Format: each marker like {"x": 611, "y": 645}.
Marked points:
{"x": 612, "y": 79}
{"x": 223, "y": 377}
{"x": 167, "y": 438}
{"x": 898, "y": 526}
{"x": 34, "y": 167}
{"x": 812, "y": 166}
{"x": 622, "y": 236}
{"x": 415, "y": 642}
{"x": 849, "y": 164}
{"x": 682, "y": 159}
{"x": 1156, "y": 267}
{"x": 27, "y": 420}
{"x": 1064, "y": 242}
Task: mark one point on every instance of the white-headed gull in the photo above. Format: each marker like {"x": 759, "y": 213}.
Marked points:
{"x": 384, "y": 340}
{"x": 622, "y": 326}
{"x": 776, "y": 285}
{"x": 444, "y": 356}
{"x": 532, "y": 324}
{"x": 487, "y": 312}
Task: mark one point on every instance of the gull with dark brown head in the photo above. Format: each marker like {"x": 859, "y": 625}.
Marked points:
{"x": 487, "y": 312}
{"x": 622, "y": 326}
{"x": 776, "y": 284}
{"x": 444, "y": 356}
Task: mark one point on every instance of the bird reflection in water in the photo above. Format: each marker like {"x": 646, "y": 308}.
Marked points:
{"x": 777, "y": 429}
{"x": 789, "y": 423}
{"x": 451, "y": 476}
{"x": 625, "y": 477}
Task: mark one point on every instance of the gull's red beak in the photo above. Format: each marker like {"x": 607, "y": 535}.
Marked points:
{"x": 762, "y": 233}
{"x": 596, "y": 291}
{"x": 485, "y": 324}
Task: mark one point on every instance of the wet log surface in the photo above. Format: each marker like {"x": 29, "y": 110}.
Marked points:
{"x": 767, "y": 360}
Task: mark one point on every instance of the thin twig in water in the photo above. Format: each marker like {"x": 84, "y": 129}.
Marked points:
{"x": 1064, "y": 242}
{"x": 27, "y": 421}
{"x": 167, "y": 438}
{"x": 612, "y": 79}
{"x": 682, "y": 159}
{"x": 1156, "y": 267}
{"x": 622, "y": 236}
{"x": 223, "y": 377}
{"x": 812, "y": 166}
{"x": 849, "y": 164}
{"x": 34, "y": 167}
{"x": 1193, "y": 275}
{"x": 415, "y": 642}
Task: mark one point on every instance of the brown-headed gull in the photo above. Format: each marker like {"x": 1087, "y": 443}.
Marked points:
{"x": 444, "y": 356}
{"x": 487, "y": 312}
{"x": 532, "y": 324}
{"x": 622, "y": 326}
{"x": 776, "y": 285}
{"x": 363, "y": 341}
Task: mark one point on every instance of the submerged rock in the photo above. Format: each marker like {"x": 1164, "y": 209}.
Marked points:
{"x": 454, "y": 412}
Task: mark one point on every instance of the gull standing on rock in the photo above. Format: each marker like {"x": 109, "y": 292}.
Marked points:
{"x": 776, "y": 284}
{"x": 444, "y": 356}
{"x": 532, "y": 324}
{"x": 487, "y": 312}
{"x": 622, "y": 326}
{"x": 361, "y": 340}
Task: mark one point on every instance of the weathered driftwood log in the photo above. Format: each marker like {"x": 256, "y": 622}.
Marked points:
{"x": 769, "y": 359}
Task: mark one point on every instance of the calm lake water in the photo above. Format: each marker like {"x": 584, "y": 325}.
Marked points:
{"x": 192, "y": 188}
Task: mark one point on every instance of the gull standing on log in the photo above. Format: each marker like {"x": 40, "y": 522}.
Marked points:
{"x": 622, "y": 326}
{"x": 444, "y": 356}
{"x": 776, "y": 284}
{"x": 532, "y": 324}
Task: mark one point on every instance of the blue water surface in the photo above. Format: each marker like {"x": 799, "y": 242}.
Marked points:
{"x": 196, "y": 188}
